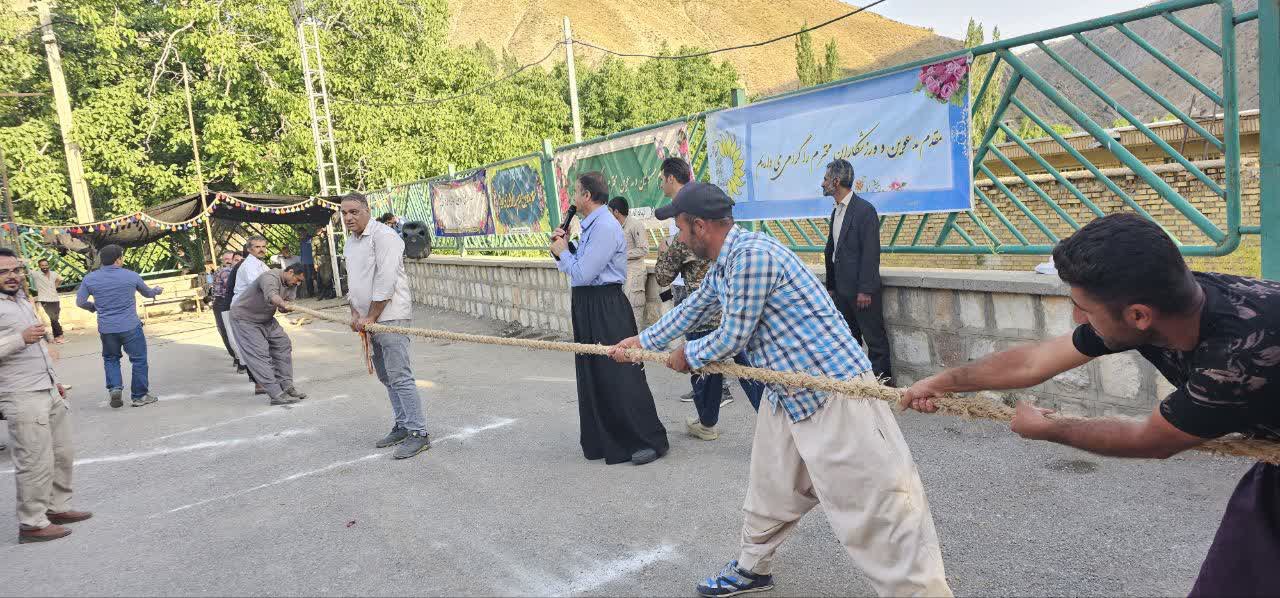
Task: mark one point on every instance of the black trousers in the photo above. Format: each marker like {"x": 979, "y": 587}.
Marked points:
{"x": 615, "y": 408}
{"x": 867, "y": 326}
{"x": 1243, "y": 557}
{"x": 53, "y": 309}
{"x": 309, "y": 280}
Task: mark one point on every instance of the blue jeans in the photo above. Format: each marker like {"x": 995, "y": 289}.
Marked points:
{"x": 395, "y": 371}
{"x": 707, "y": 389}
{"x": 135, "y": 344}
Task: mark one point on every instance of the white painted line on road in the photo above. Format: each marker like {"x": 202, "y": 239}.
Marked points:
{"x": 291, "y": 478}
{"x": 464, "y": 433}
{"x": 604, "y": 573}
{"x": 550, "y": 379}
{"x": 469, "y": 432}
{"x": 187, "y": 448}
{"x": 270, "y": 411}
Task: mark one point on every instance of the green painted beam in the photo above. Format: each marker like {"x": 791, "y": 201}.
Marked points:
{"x": 1057, "y": 175}
{"x": 1170, "y": 64}
{"x": 1193, "y": 32}
{"x": 1119, "y": 151}
{"x": 1134, "y": 120}
{"x": 1269, "y": 155}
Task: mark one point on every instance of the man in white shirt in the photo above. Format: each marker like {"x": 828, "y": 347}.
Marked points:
{"x": 47, "y": 282}
{"x": 253, "y": 265}
{"x": 378, "y": 291}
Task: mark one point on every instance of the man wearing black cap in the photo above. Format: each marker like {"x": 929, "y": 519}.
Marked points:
{"x": 619, "y": 421}
{"x": 810, "y": 446}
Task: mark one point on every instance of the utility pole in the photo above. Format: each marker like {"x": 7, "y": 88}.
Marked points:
{"x": 321, "y": 132}
{"x": 61, "y": 101}
{"x": 195, "y": 152}
{"x": 9, "y": 216}
{"x": 573, "y": 82}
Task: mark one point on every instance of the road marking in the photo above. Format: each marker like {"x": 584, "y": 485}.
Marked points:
{"x": 291, "y": 478}
{"x": 550, "y": 379}
{"x": 462, "y": 434}
{"x": 187, "y": 448}
{"x": 466, "y": 433}
{"x": 604, "y": 573}
{"x": 270, "y": 411}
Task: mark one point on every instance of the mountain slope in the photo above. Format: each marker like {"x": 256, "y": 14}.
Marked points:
{"x": 1167, "y": 38}
{"x": 528, "y": 28}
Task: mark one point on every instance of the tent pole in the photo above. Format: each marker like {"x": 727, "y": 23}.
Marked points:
{"x": 333, "y": 262}
{"x": 195, "y": 152}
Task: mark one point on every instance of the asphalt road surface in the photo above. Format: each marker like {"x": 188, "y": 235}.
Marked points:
{"x": 212, "y": 492}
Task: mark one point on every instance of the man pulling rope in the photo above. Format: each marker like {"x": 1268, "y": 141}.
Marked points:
{"x": 1214, "y": 336}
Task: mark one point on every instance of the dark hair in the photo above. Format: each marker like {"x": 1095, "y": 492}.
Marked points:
{"x": 110, "y": 254}
{"x": 593, "y": 183}
{"x": 42, "y": 260}
{"x": 620, "y": 204}
{"x": 842, "y": 171}
{"x": 1125, "y": 259}
{"x": 6, "y": 252}
{"x": 296, "y": 268}
{"x": 356, "y": 197}
{"x": 228, "y": 252}
{"x": 678, "y": 168}
{"x": 385, "y": 218}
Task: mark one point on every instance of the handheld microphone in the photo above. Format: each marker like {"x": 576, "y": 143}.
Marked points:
{"x": 564, "y": 227}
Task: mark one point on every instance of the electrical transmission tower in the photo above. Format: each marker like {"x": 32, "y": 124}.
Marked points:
{"x": 321, "y": 121}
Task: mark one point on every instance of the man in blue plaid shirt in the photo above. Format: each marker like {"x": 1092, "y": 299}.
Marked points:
{"x": 810, "y": 446}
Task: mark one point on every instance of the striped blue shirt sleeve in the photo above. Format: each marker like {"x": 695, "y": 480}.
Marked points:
{"x": 750, "y": 279}
{"x": 691, "y": 312}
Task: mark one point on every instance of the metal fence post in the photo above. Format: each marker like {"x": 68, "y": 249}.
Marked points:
{"x": 1269, "y": 155}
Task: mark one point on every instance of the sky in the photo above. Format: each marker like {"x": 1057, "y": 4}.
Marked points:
{"x": 1015, "y": 17}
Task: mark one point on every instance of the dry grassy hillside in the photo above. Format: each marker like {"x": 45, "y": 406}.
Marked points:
{"x": 527, "y": 28}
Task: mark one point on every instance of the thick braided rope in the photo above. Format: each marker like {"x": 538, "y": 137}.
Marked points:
{"x": 962, "y": 406}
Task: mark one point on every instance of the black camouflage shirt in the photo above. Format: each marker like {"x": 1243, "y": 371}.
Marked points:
{"x": 1224, "y": 383}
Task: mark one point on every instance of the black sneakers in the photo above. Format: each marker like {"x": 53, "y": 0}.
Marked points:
{"x": 413, "y": 443}
{"x": 396, "y": 436}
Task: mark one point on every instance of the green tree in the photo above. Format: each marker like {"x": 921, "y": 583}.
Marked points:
{"x": 1028, "y": 129}
{"x": 830, "y": 70}
{"x": 983, "y": 109}
{"x": 387, "y": 63}
{"x": 1120, "y": 123}
{"x": 807, "y": 69}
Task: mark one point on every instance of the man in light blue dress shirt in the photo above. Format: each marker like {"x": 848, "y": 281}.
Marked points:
{"x": 619, "y": 422}
{"x": 112, "y": 287}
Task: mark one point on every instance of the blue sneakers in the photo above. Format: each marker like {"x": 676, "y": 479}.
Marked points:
{"x": 733, "y": 580}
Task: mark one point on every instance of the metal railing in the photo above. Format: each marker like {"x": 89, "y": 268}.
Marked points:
{"x": 1028, "y": 220}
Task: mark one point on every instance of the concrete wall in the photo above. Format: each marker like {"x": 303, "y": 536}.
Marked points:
{"x": 936, "y": 318}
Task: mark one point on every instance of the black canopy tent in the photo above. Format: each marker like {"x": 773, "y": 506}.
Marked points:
{"x": 140, "y": 231}
{"x": 231, "y": 207}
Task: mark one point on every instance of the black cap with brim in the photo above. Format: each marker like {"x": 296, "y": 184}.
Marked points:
{"x": 701, "y": 200}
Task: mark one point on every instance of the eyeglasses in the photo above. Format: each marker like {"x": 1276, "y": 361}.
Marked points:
{"x": 9, "y": 271}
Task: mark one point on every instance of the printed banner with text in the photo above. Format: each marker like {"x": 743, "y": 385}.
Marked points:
{"x": 631, "y": 165}
{"x": 906, "y": 134}
{"x": 519, "y": 202}
{"x": 460, "y": 207}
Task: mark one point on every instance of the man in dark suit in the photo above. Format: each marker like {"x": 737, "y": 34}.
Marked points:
{"x": 853, "y": 265}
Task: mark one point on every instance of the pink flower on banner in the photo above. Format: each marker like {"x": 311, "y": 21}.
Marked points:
{"x": 897, "y": 186}
{"x": 948, "y": 88}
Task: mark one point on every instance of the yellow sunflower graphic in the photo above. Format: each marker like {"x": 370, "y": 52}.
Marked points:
{"x": 729, "y": 149}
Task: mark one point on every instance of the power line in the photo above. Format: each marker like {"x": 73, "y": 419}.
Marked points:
{"x": 473, "y": 91}
{"x": 741, "y": 47}
{"x": 488, "y": 86}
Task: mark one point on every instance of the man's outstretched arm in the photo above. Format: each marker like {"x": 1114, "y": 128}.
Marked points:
{"x": 1019, "y": 367}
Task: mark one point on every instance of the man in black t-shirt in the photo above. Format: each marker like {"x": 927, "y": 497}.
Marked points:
{"x": 1215, "y": 337}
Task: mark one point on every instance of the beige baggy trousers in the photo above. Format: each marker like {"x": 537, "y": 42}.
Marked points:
{"x": 851, "y": 457}
{"x": 40, "y": 433}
